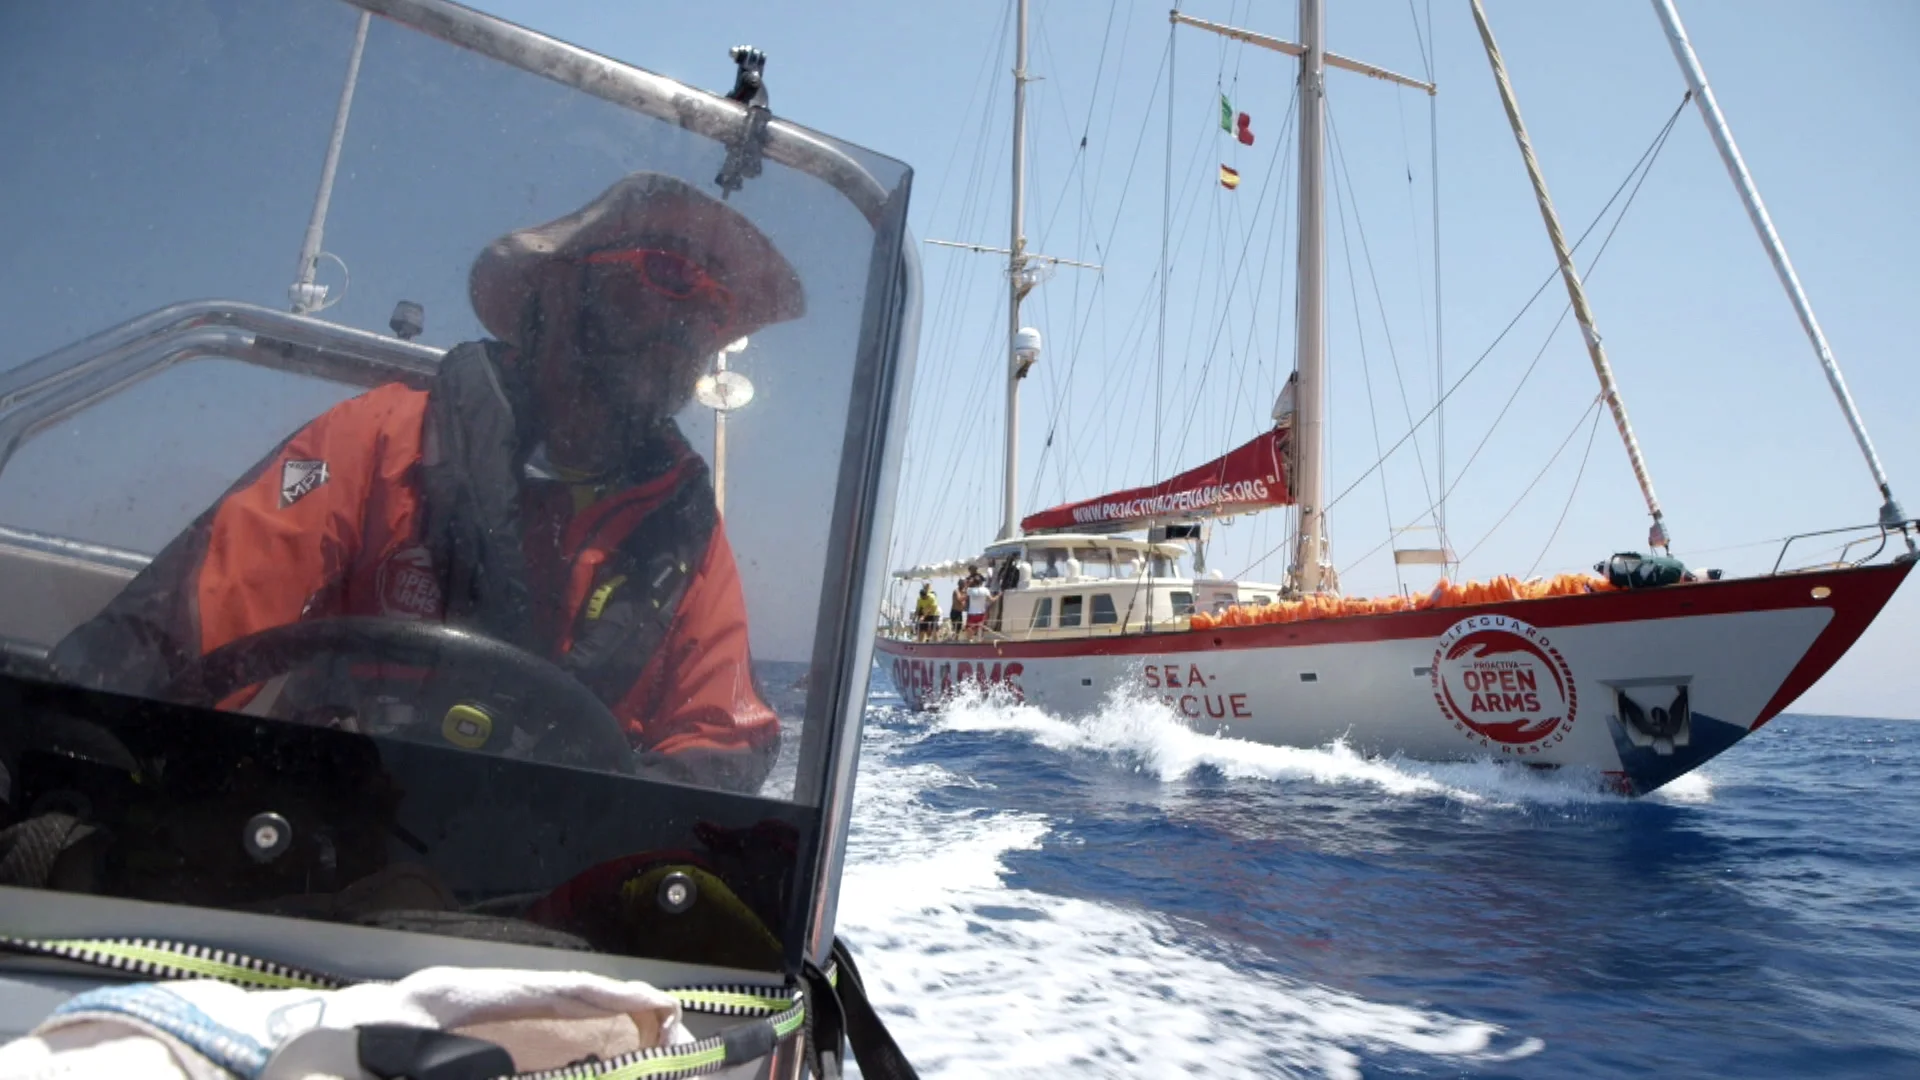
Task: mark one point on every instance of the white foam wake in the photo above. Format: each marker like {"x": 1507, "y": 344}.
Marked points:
{"x": 978, "y": 979}
{"x": 1695, "y": 787}
{"x": 1148, "y": 736}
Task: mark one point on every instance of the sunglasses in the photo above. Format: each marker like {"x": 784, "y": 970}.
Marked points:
{"x": 667, "y": 273}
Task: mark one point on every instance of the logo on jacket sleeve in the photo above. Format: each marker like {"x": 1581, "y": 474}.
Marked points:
{"x": 409, "y": 589}
{"x": 1504, "y": 684}
{"x": 298, "y": 479}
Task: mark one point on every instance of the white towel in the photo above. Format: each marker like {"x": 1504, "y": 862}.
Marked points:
{"x": 207, "y": 1030}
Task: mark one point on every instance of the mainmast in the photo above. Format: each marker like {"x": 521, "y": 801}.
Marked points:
{"x": 1017, "y": 283}
{"x": 1891, "y": 516}
{"x": 1311, "y": 573}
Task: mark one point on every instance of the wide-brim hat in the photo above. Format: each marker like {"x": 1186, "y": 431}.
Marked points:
{"x": 765, "y": 287}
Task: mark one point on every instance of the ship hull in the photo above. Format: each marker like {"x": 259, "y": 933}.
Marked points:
{"x": 1640, "y": 687}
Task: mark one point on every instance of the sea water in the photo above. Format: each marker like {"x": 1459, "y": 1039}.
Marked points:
{"x": 1117, "y": 895}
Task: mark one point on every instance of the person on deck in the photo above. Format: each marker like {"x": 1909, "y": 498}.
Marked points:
{"x": 927, "y": 612}
{"x": 979, "y": 599}
{"x": 538, "y": 492}
{"x": 957, "y": 610}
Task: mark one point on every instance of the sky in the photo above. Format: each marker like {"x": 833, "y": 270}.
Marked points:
{"x": 170, "y": 152}
{"x": 1742, "y": 438}
{"x": 1744, "y": 442}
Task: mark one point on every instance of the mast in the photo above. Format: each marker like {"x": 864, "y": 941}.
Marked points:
{"x": 1439, "y": 325}
{"x": 1016, "y": 283}
{"x": 1891, "y": 515}
{"x": 1310, "y": 573}
{"x": 1657, "y": 535}
{"x": 1023, "y": 272}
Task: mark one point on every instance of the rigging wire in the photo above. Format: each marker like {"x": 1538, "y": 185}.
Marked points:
{"x": 1593, "y": 407}
{"x": 1134, "y": 410}
{"x": 1239, "y": 268}
{"x": 957, "y": 281}
{"x": 1590, "y": 410}
{"x": 1413, "y": 223}
{"x": 1340, "y": 157}
{"x": 1646, "y": 159}
{"x": 1166, "y": 233}
{"x": 1571, "y": 492}
{"x": 1360, "y": 336}
{"x": 1126, "y": 186}
{"x": 1429, "y": 58}
{"x": 1077, "y": 172}
{"x": 937, "y": 371}
{"x": 1251, "y": 352}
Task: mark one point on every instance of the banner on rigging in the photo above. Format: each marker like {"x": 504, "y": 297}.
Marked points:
{"x": 1247, "y": 478}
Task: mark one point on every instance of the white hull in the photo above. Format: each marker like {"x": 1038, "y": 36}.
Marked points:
{"x": 1535, "y": 681}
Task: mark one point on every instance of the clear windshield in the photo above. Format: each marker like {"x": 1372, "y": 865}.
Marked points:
{"x": 545, "y": 486}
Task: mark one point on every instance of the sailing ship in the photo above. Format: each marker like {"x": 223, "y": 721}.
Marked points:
{"x": 1638, "y": 677}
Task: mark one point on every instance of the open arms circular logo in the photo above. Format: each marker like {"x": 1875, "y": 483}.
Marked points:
{"x": 1504, "y": 684}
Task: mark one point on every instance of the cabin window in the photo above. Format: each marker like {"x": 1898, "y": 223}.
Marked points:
{"x": 1070, "y": 610}
{"x": 1103, "y": 610}
{"x": 1164, "y": 567}
{"x": 1097, "y": 564}
{"x": 1043, "y": 614}
{"x": 1049, "y": 562}
{"x": 1182, "y": 603}
{"x": 1259, "y": 599}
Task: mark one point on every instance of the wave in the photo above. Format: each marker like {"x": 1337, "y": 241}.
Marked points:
{"x": 1146, "y": 736}
{"x": 977, "y": 978}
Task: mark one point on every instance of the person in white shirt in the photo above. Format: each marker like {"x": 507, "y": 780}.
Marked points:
{"x": 978, "y": 601}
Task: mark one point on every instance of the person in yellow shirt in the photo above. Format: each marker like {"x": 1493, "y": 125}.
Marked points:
{"x": 927, "y": 612}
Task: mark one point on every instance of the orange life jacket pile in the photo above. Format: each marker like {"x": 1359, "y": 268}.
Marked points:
{"x": 1444, "y": 595}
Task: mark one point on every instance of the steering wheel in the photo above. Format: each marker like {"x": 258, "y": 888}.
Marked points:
{"x": 579, "y": 728}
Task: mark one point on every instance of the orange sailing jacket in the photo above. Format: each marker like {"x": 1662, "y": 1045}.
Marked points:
{"x": 635, "y": 593}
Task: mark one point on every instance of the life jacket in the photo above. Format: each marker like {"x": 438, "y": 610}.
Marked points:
{"x": 477, "y": 443}
{"x": 405, "y": 504}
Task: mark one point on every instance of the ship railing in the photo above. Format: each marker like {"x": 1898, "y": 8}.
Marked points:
{"x": 1876, "y": 535}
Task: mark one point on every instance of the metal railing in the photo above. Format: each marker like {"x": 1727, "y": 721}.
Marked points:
{"x": 1878, "y": 535}
{"x": 720, "y": 119}
{"x": 53, "y": 387}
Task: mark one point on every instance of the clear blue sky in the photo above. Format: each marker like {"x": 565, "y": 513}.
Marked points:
{"x": 1743, "y": 440}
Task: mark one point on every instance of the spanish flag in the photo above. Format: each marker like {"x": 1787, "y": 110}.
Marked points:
{"x": 1229, "y": 178}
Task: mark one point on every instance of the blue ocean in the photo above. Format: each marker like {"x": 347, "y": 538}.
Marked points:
{"x": 1115, "y": 895}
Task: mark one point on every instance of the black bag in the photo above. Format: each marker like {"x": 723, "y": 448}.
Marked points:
{"x": 1631, "y": 570}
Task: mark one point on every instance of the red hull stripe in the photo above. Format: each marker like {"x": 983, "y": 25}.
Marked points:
{"x": 1855, "y": 597}
{"x": 1851, "y": 617}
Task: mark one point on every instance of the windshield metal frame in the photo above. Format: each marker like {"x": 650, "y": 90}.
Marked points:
{"x": 711, "y": 115}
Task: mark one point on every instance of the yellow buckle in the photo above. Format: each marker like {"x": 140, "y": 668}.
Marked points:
{"x": 467, "y": 726}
